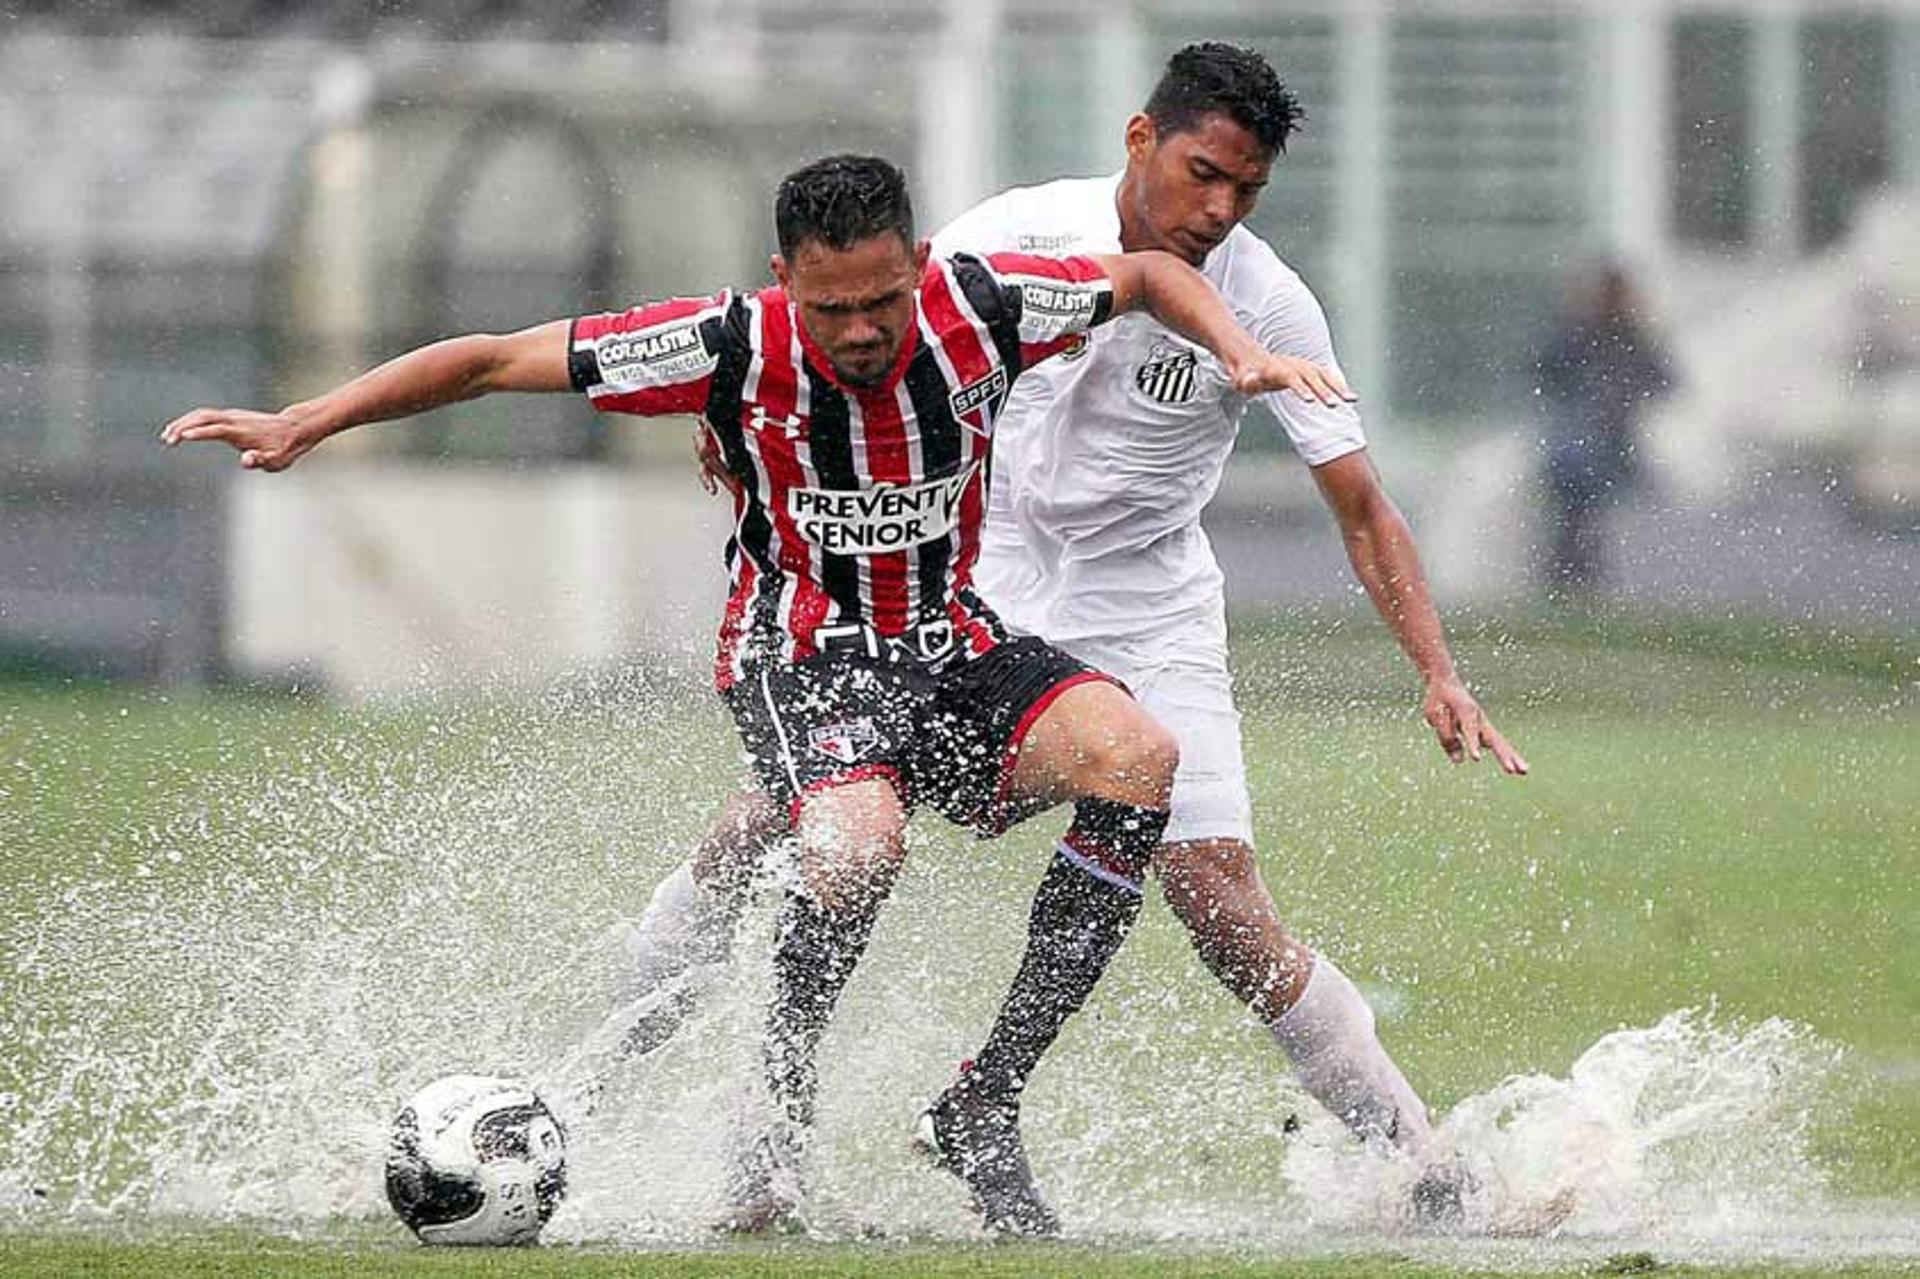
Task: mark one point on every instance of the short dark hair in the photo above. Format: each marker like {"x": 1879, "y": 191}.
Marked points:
{"x": 841, "y": 201}
{"x": 1211, "y": 78}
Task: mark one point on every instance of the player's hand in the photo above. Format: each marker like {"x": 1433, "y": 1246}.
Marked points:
{"x": 1272, "y": 371}
{"x": 265, "y": 441}
{"x": 1464, "y": 729}
{"x": 714, "y": 473}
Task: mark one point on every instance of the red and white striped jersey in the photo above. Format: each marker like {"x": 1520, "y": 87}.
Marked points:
{"x": 859, "y": 508}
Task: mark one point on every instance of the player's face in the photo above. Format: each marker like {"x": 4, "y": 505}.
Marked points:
{"x": 857, "y": 304}
{"x": 1185, "y": 191}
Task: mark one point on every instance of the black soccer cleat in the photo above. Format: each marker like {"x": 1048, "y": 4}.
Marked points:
{"x": 977, "y": 1139}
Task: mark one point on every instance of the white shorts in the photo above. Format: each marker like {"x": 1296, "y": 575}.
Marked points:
{"x": 1180, "y": 678}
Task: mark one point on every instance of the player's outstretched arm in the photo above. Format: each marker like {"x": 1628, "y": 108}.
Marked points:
{"x": 1182, "y": 299}
{"x": 1380, "y": 546}
{"x": 461, "y": 368}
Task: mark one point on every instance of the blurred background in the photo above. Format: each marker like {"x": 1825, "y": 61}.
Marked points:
{"x": 1630, "y": 292}
{"x": 244, "y": 201}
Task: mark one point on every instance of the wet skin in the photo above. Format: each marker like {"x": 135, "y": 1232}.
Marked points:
{"x": 1185, "y": 191}
{"x": 856, "y": 303}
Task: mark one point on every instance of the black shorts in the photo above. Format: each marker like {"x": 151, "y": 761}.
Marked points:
{"x": 948, "y": 740}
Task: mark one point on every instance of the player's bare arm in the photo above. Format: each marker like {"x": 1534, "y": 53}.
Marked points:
{"x": 446, "y": 372}
{"x": 1182, "y": 299}
{"x": 1381, "y": 548}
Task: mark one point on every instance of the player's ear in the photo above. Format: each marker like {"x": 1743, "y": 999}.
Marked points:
{"x": 1142, "y": 137}
{"x": 921, "y": 252}
{"x": 778, "y": 265}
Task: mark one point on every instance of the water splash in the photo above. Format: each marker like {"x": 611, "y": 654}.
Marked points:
{"x": 215, "y": 1016}
{"x": 1691, "y": 1126}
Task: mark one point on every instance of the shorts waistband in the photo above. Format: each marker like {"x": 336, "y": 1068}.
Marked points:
{"x": 931, "y": 645}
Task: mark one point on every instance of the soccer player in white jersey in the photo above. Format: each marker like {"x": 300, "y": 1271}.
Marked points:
{"x": 1103, "y": 462}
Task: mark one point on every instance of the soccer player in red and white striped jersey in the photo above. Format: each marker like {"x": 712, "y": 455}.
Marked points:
{"x": 861, "y": 482}
{"x": 853, "y": 403}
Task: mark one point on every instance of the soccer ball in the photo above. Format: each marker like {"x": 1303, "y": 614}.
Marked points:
{"x": 476, "y": 1160}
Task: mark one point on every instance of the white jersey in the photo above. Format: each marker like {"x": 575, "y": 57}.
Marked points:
{"x": 1104, "y": 458}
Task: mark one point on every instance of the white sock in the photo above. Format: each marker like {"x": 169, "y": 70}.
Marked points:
{"x": 677, "y": 945}
{"x": 684, "y": 926}
{"x": 1329, "y": 1035}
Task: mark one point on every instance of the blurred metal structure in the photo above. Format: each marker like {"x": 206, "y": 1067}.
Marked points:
{"x": 244, "y": 200}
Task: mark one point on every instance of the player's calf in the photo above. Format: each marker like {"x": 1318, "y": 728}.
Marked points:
{"x": 851, "y": 847}
{"x": 1214, "y": 888}
{"x": 1086, "y": 904}
{"x": 1329, "y": 1034}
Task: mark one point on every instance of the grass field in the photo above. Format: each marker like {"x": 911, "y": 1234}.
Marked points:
{"x": 254, "y": 1258}
{"x": 237, "y": 928}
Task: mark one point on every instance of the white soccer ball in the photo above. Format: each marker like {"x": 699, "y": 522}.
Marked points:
{"x": 476, "y": 1160}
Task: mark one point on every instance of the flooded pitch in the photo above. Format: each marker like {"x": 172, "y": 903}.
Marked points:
{"x": 214, "y": 1016}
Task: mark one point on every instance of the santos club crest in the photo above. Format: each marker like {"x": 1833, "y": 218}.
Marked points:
{"x": 1170, "y": 374}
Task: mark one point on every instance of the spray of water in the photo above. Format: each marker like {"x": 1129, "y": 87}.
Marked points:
{"x": 1688, "y": 1123}
{"x": 216, "y": 1017}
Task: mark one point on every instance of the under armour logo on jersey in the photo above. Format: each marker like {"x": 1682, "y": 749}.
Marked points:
{"x": 1170, "y": 374}
{"x": 844, "y": 742}
{"x": 758, "y": 419}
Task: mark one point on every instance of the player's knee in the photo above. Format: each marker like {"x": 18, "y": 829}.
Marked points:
{"x": 1207, "y": 882}
{"x": 1143, "y": 760}
{"x": 1130, "y": 766}
{"x": 852, "y": 842}
{"x": 733, "y": 850}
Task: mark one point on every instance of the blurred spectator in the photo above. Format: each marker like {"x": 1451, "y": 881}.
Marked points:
{"x": 1597, "y": 370}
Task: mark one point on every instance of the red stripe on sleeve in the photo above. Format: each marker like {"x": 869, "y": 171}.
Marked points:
{"x": 1076, "y": 269}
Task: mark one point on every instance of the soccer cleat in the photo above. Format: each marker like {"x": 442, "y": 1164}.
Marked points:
{"x": 977, "y": 1139}
{"x": 1437, "y": 1199}
{"x": 764, "y": 1185}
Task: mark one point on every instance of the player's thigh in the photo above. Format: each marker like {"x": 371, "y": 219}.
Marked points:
{"x": 1094, "y": 740}
{"x": 825, "y": 722}
{"x": 1192, "y": 698}
{"x": 975, "y": 732}
{"x": 734, "y": 848}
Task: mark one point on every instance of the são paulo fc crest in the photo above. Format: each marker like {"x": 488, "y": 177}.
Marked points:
{"x": 1170, "y": 374}
{"x": 846, "y": 742}
{"x": 977, "y": 404}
